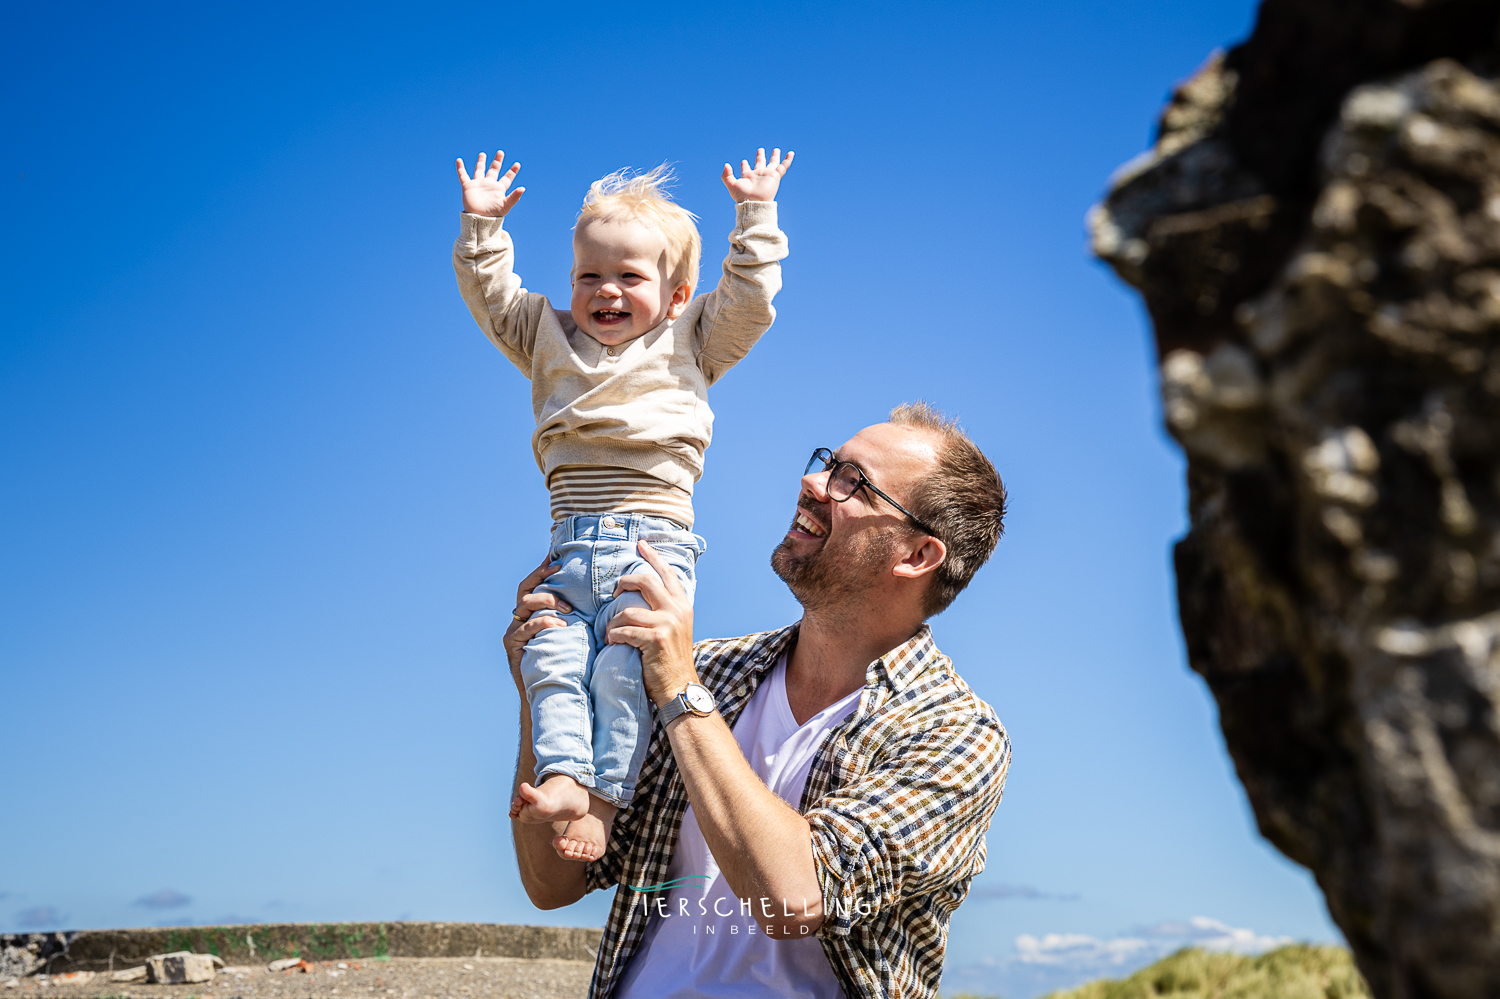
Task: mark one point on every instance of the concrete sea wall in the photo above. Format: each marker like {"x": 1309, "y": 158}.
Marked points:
{"x": 104, "y": 950}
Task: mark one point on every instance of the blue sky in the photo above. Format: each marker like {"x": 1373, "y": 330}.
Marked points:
{"x": 266, "y": 489}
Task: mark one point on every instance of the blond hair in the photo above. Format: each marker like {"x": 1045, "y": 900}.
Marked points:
{"x": 962, "y": 498}
{"x": 629, "y": 195}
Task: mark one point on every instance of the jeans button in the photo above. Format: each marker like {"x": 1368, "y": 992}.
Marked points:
{"x": 609, "y": 522}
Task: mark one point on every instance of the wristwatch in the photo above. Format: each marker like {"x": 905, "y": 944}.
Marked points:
{"x": 696, "y": 699}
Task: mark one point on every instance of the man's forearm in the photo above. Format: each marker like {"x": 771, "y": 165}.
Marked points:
{"x": 763, "y": 846}
{"x": 550, "y": 880}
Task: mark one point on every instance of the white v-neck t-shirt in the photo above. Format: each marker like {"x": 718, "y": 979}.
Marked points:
{"x": 706, "y": 942}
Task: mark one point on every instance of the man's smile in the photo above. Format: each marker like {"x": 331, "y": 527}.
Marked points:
{"x": 608, "y": 317}
{"x": 807, "y": 525}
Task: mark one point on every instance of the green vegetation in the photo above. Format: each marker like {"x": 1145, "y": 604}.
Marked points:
{"x": 320, "y": 941}
{"x": 1297, "y": 971}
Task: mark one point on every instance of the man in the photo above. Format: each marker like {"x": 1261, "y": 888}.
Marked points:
{"x": 725, "y": 888}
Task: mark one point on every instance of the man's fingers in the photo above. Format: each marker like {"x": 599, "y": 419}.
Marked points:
{"x": 532, "y": 602}
{"x": 479, "y": 162}
{"x": 668, "y": 578}
{"x": 760, "y": 158}
{"x": 745, "y": 169}
{"x": 526, "y": 629}
{"x": 637, "y": 617}
{"x": 522, "y": 632}
{"x": 626, "y": 635}
{"x": 543, "y": 623}
{"x": 647, "y": 586}
{"x": 463, "y": 175}
{"x": 495, "y": 163}
{"x": 786, "y": 164}
{"x": 535, "y": 577}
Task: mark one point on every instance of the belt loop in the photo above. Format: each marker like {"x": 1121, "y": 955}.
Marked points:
{"x": 635, "y": 527}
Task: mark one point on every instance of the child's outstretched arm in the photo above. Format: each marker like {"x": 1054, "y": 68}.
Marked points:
{"x": 758, "y": 183}
{"x": 484, "y": 193}
{"x": 739, "y": 310}
{"x": 483, "y": 259}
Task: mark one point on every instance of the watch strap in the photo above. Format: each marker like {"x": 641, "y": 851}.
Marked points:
{"x": 669, "y": 711}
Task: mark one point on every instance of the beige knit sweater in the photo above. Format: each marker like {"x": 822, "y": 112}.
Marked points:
{"x": 642, "y": 404}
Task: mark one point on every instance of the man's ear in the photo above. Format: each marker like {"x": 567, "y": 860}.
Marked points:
{"x": 921, "y": 560}
{"x": 681, "y": 296}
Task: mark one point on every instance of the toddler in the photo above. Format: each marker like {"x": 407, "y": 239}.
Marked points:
{"x": 619, "y": 389}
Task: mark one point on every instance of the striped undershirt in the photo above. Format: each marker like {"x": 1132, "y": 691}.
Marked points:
{"x": 598, "y": 489}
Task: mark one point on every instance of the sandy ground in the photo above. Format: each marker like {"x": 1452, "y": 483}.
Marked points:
{"x": 398, "y": 978}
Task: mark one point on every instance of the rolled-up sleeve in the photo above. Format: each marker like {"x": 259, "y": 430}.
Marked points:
{"x": 913, "y": 822}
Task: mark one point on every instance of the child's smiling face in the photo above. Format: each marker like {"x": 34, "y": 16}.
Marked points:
{"x": 621, "y": 285}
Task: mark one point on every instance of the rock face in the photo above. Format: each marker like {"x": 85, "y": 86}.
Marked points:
{"x": 24, "y": 954}
{"x": 1316, "y": 234}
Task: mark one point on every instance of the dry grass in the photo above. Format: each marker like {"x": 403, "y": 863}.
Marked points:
{"x": 1297, "y": 971}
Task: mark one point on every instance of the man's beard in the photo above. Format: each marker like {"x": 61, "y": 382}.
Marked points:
{"x": 834, "y": 576}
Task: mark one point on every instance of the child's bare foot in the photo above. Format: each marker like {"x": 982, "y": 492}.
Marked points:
{"x": 584, "y": 838}
{"x": 560, "y": 798}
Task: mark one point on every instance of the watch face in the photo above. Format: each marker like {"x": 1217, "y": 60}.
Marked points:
{"x": 699, "y": 699}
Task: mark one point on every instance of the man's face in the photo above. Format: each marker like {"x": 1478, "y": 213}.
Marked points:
{"x": 835, "y": 551}
{"x": 621, "y": 289}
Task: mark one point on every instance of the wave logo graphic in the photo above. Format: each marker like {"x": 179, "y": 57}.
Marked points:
{"x": 674, "y": 883}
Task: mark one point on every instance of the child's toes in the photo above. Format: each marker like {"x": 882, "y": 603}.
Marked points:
{"x": 576, "y": 849}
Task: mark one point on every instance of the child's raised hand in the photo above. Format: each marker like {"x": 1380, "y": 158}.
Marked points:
{"x": 757, "y": 183}
{"x": 484, "y": 193}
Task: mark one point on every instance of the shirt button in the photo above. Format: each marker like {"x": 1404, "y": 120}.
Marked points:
{"x": 610, "y": 351}
{"x": 609, "y": 522}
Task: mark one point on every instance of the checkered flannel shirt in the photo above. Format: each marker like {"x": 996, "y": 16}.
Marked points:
{"x": 899, "y": 798}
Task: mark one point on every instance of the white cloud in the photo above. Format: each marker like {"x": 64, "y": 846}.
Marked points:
{"x": 1210, "y": 934}
{"x": 1063, "y": 960}
{"x": 1079, "y": 950}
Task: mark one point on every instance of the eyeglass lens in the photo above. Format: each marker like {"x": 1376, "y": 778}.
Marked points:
{"x": 844, "y": 481}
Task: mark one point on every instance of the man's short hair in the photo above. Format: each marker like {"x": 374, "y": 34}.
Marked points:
{"x": 625, "y": 194}
{"x": 963, "y": 500}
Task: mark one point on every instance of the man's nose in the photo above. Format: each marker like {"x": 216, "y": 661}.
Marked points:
{"x": 608, "y": 290}
{"x": 815, "y": 484}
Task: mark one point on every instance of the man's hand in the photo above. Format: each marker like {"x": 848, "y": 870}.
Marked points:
{"x": 663, "y": 633}
{"x": 484, "y": 193}
{"x": 758, "y": 183}
{"x": 523, "y": 626}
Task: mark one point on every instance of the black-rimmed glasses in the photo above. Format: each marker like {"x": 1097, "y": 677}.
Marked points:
{"x": 845, "y": 479}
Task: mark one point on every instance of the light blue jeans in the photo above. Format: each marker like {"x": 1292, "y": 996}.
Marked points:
{"x": 590, "y": 716}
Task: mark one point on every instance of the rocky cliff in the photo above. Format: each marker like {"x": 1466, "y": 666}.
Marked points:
{"x": 1316, "y": 234}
